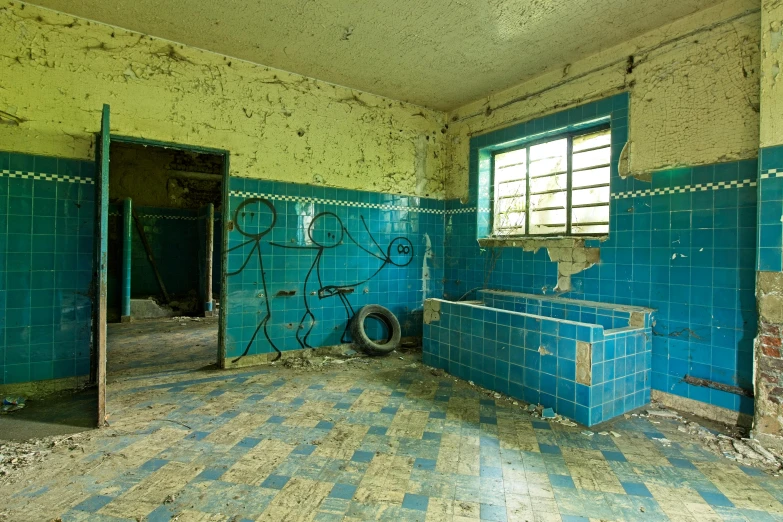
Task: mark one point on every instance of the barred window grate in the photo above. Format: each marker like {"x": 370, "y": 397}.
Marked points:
{"x": 558, "y": 187}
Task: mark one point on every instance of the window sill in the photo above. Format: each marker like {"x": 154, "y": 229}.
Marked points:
{"x": 536, "y": 242}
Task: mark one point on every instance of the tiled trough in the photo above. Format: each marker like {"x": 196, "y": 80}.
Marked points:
{"x": 589, "y": 361}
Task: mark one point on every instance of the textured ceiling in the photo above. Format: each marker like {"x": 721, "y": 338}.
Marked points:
{"x": 436, "y": 53}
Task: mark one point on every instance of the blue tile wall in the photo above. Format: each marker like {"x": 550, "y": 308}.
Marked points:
{"x": 770, "y": 215}
{"x": 377, "y": 246}
{"x": 603, "y": 314}
{"x": 46, "y": 234}
{"x": 684, "y": 244}
{"x": 503, "y": 350}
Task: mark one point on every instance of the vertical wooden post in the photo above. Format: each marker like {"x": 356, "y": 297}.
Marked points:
{"x": 101, "y": 240}
{"x": 210, "y": 235}
{"x": 127, "y": 228}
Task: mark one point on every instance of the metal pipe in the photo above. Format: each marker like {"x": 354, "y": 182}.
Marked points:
{"x": 127, "y": 227}
{"x": 210, "y": 235}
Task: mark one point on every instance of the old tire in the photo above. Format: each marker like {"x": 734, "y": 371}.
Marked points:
{"x": 367, "y": 345}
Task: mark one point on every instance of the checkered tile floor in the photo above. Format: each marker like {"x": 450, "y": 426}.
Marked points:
{"x": 384, "y": 441}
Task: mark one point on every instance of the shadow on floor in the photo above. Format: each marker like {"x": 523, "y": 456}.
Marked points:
{"x": 59, "y": 414}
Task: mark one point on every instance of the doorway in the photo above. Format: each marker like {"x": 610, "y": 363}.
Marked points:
{"x": 164, "y": 258}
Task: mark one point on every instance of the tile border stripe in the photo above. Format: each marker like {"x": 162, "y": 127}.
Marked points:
{"x": 698, "y": 187}
{"x": 164, "y": 216}
{"x": 46, "y": 177}
{"x": 300, "y": 199}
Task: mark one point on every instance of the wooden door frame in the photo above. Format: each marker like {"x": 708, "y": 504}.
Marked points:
{"x": 224, "y": 154}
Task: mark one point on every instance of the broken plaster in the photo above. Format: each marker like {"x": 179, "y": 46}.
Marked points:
{"x": 570, "y": 254}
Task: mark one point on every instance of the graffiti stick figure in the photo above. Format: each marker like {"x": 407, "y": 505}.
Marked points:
{"x": 398, "y": 253}
{"x": 244, "y": 221}
{"x": 332, "y": 238}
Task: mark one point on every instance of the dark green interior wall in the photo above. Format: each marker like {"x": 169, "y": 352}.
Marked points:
{"x": 176, "y": 238}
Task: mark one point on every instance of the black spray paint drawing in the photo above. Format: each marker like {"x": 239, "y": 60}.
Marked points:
{"x": 326, "y": 231}
{"x": 254, "y": 218}
{"x": 248, "y": 221}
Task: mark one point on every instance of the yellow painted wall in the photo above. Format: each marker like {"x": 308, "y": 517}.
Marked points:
{"x": 694, "y": 94}
{"x": 772, "y": 75}
{"x": 57, "y": 71}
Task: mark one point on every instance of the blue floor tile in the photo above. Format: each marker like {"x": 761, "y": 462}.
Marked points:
{"x": 344, "y": 491}
{"x": 425, "y": 464}
{"x": 493, "y": 513}
{"x": 549, "y": 448}
{"x": 304, "y": 449}
{"x": 362, "y": 456}
{"x": 491, "y": 472}
{"x": 636, "y": 488}
{"x": 417, "y": 502}
{"x": 93, "y": 504}
{"x": 715, "y": 499}
{"x": 562, "y": 481}
{"x": 376, "y": 430}
{"x": 275, "y": 482}
{"x": 681, "y": 463}
{"x": 153, "y": 465}
{"x": 614, "y": 456}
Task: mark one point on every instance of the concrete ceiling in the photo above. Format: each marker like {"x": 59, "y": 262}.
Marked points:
{"x": 435, "y": 53}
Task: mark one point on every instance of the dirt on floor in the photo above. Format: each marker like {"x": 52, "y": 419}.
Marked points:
{"x": 161, "y": 345}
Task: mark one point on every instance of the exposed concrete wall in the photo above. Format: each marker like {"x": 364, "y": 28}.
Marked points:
{"x": 694, "y": 91}
{"x": 58, "y": 70}
{"x": 768, "y": 360}
{"x": 771, "y": 74}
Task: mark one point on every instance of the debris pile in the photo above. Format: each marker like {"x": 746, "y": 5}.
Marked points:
{"x": 734, "y": 446}
{"x": 306, "y": 361}
{"x": 11, "y": 404}
{"x": 742, "y": 449}
{"x": 548, "y": 414}
{"x": 16, "y": 456}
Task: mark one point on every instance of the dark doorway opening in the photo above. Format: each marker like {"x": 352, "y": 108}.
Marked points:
{"x": 164, "y": 258}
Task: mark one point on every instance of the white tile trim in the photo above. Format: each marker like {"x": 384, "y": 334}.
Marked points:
{"x": 698, "y": 187}
{"x": 300, "y": 199}
{"x": 46, "y": 177}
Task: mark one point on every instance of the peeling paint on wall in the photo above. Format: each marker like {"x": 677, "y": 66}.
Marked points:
{"x": 771, "y": 85}
{"x": 682, "y": 79}
{"x": 59, "y": 70}
{"x": 425, "y": 269}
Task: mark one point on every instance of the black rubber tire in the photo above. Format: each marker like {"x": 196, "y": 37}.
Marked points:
{"x": 366, "y": 344}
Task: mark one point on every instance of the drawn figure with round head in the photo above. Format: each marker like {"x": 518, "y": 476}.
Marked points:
{"x": 254, "y": 218}
{"x": 326, "y": 231}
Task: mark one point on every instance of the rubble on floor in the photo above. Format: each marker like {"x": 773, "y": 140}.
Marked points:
{"x": 16, "y": 456}
{"x": 734, "y": 445}
{"x": 11, "y": 404}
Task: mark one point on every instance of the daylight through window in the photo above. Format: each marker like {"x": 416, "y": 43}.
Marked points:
{"x": 559, "y": 187}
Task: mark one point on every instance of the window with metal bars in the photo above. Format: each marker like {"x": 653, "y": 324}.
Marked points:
{"x": 556, "y": 187}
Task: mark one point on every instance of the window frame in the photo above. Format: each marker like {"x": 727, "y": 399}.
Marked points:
{"x": 569, "y": 135}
